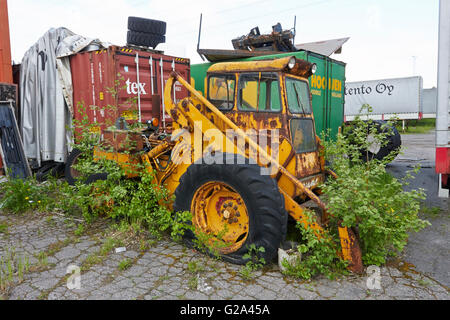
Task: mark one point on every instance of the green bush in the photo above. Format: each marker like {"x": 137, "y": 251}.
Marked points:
{"x": 364, "y": 197}
{"x": 137, "y": 201}
{"x": 369, "y": 199}
{"x": 20, "y": 195}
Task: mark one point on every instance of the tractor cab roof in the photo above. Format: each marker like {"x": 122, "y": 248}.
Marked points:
{"x": 288, "y": 64}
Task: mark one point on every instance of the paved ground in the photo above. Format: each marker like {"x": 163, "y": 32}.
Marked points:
{"x": 428, "y": 250}
{"x": 168, "y": 270}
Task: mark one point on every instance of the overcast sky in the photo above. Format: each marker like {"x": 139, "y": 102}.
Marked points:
{"x": 388, "y": 38}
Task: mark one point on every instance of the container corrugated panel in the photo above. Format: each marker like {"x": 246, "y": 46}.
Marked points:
{"x": 106, "y": 84}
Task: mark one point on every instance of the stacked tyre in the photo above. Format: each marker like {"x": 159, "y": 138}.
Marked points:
{"x": 146, "y": 32}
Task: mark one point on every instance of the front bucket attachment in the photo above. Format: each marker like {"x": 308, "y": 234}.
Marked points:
{"x": 351, "y": 250}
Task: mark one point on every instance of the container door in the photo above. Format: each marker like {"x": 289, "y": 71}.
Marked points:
{"x": 138, "y": 87}
{"x": 93, "y": 75}
{"x": 318, "y": 86}
{"x": 335, "y": 106}
{"x": 165, "y": 66}
{"x": 134, "y": 90}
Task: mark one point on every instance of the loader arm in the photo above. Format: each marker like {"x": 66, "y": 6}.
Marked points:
{"x": 187, "y": 115}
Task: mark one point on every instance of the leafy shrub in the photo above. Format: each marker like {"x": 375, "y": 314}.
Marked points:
{"x": 369, "y": 199}
{"x": 138, "y": 201}
{"x": 364, "y": 197}
{"x": 20, "y": 195}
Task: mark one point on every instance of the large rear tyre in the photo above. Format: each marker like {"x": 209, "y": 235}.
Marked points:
{"x": 236, "y": 206}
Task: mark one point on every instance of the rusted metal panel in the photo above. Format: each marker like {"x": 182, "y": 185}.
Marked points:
{"x": 351, "y": 250}
{"x": 108, "y": 80}
{"x": 123, "y": 140}
{"x": 308, "y": 164}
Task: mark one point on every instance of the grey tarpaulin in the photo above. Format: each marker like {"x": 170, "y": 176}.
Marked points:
{"x": 46, "y": 94}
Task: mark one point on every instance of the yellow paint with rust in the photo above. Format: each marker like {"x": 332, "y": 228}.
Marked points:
{"x": 129, "y": 162}
{"x": 251, "y": 66}
{"x": 217, "y": 209}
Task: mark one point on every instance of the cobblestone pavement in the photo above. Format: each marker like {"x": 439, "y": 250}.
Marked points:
{"x": 168, "y": 270}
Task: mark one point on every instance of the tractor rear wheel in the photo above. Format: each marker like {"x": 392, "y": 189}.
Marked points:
{"x": 236, "y": 207}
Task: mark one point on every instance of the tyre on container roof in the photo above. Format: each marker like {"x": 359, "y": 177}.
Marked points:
{"x": 144, "y": 39}
{"x": 147, "y": 25}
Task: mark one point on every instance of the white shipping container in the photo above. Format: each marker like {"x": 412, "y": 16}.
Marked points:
{"x": 389, "y": 98}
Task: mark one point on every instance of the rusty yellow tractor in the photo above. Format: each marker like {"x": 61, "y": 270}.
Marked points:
{"x": 243, "y": 157}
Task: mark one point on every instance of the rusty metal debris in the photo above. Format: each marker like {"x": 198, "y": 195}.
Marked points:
{"x": 278, "y": 40}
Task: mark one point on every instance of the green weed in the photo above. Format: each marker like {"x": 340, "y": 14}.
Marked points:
{"x": 125, "y": 264}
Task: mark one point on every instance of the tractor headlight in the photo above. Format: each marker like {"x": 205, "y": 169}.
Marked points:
{"x": 292, "y": 63}
{"x": 314, "y": 68}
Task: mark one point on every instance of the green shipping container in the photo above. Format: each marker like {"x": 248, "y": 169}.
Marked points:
{"x": 327, "y": 87}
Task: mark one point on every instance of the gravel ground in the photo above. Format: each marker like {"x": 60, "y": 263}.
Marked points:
{"x": 168, "y": 270}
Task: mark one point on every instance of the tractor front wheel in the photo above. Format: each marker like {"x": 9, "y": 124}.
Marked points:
{"x": 233, "y": 207}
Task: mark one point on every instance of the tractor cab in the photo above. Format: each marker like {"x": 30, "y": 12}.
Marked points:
{"x": 268, "y": 96}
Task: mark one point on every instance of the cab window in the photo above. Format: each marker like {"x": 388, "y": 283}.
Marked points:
{"x": 303, "y": 136}
{"x": 259, "y": 92}
{"x": 297, "y": 92}
{"x": 221, "y": 90}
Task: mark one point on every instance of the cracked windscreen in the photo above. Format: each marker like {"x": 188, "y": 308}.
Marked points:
{"x": 298, "y": 96}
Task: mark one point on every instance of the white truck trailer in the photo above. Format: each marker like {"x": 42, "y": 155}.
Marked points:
{"x": 443, "y": 100}
{"x": 400, "y": 98}
{"x": 429, "y": 98}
